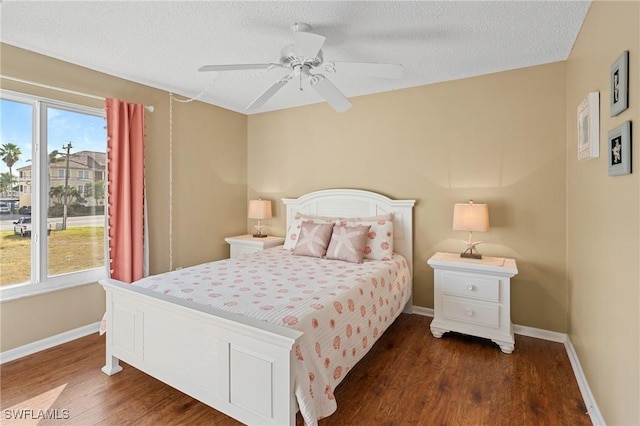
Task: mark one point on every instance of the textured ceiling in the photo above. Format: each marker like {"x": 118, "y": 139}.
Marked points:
{"x": 163, "y": 43}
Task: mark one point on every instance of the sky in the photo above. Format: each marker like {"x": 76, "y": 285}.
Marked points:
{"x": 85, "y": 132}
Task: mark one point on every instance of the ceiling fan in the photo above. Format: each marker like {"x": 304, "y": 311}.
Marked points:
{"x": 304, "y": 59}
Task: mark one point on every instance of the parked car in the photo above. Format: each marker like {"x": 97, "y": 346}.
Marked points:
{"x": 4, "y": 209}
{"x": 22, "y": 227}
{"x": 26, "y": 210}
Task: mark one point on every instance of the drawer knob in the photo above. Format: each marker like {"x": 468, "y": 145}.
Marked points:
{"x": 470, "y": 287}
{"x": 469, "y": 312}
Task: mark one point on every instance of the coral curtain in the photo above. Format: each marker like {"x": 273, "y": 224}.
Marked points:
{"x": 125, "y": 175}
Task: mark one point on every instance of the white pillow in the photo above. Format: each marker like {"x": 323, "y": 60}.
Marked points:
{"x": 380, "y": 242}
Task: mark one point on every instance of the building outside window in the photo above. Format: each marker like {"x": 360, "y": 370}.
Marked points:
{"x": 58, "y": 182}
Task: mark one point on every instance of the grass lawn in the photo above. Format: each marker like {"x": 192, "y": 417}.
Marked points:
{"x": 72, "y": 250}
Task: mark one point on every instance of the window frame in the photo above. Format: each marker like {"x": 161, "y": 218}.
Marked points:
{"x": 40, "y": 282}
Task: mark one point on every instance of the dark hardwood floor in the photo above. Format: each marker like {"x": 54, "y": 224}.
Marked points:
{"x": 408, "y": 378}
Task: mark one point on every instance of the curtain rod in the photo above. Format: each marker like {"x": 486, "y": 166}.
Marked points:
{"x": 59, "y": 89}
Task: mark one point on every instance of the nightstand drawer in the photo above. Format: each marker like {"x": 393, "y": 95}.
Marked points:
{"x": 247, "y": 244}
{"x": 474, "y": 313}
{"x": 471, "y": 285}
{"x": 236, "y": 251}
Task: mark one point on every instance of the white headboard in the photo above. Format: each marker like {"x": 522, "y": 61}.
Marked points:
{"x": 358, "y": 203}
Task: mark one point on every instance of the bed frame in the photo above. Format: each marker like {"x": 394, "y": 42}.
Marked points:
{"x": 237, "y": 365}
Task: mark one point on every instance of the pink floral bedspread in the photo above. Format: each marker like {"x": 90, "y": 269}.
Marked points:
{"x": 342, "y": 308}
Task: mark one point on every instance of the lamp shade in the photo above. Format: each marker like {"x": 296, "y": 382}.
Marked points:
{"x": 259, "y": 209}
{"x": 471, "y": 217}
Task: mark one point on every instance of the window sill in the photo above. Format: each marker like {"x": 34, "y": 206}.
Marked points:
{"x": 19, "y": 291}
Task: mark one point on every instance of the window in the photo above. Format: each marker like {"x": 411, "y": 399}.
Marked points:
{"x": 64, "y": 244}
{"x": 84, "y": 190}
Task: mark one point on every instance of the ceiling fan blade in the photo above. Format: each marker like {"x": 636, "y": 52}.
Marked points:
{"x": 366, "y": 68}
{"x": 267, "y": 94}
{"x": 237, "y": 67}
{"x": 330, "y": 93}
{"x": 307, "y": 45}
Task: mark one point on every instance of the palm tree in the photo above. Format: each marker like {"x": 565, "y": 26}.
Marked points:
{"x": 57, "y": 192}
{"x": 10, "y": 154}
{"x": 74, "y": 196}
{"x": 55, "y": 156}
{"x": 5, "y": 182}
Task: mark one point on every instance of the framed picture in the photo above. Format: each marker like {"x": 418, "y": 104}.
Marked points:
{"x": 589, "y": 127}
{"x": 619, "y": 78}
{"x": 620, "y": 150}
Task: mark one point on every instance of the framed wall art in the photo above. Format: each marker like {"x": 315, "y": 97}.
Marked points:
{"x": 619, "y": 78}
{"x": 589, "y": 127}
{"x": 619, "y": 146}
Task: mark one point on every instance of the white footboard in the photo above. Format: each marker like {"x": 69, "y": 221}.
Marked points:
{"x": 237, "y": 365}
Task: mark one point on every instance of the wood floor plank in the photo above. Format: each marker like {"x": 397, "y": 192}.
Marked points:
{"x": 408, "y": 378}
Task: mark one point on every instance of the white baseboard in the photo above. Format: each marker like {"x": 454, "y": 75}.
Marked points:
{"x": 540, "y": 333}
{"x": 48, "y": 342}
{"x": 585, "y": 390}
{"x": 419, "y": 310}
{"x": 553, "y": 336}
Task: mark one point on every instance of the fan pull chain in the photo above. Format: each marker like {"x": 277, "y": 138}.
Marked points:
{"x": 171, "y": 99}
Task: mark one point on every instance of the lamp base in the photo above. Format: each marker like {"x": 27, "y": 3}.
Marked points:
{"x": 470, "y": 251}
{"x": 471, "y": 255}
{"x": 259, "y": 236}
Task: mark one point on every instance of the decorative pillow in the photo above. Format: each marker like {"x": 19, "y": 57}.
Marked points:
{"x": 294, "y": 227}
{"x": 380, "y": 242}
{"x": 313, "y": 239}
{"x": 348, "y": 243}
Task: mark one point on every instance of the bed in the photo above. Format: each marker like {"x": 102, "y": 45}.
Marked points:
{"x": 261, "y": 368}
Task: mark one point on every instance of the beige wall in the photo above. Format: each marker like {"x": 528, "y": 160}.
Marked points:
{"x": 209, "y": 203}
{"x": 507, "y": 139}
{"x": 603, "y": 216}
{"x": 497, "y": 139}
{"x": 34, "y": 318}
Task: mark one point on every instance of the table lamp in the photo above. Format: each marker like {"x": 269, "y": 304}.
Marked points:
{"x": 471, "y": 217}
{"x": 259, "y": 209}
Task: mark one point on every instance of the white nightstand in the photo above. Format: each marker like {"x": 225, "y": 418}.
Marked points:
{"x": 244, "y": 244}
{"x": 472, "y": 296}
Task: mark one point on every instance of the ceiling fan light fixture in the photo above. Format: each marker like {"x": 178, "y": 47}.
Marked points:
{"x": 288, "y": 57}
{"x": 329, "y": 93}
{"x": 315, "y": 79}
{"x": 304, "y": 56}
{"x": 300, "y": 26}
